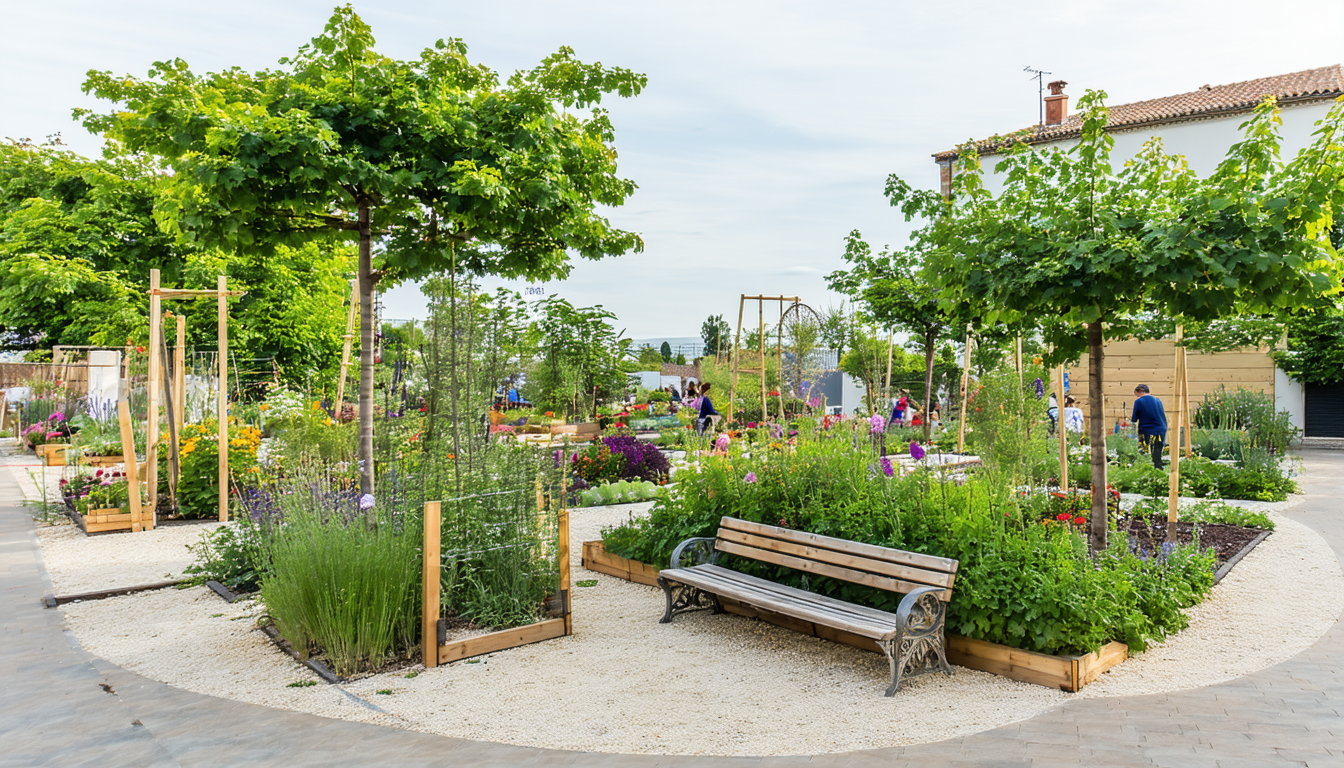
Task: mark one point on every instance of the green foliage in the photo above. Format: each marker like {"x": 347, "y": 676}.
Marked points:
{"x": 1208, "y": 511}
{"x": 1251, "y": 411}
{"x": 1315, "y": 353}
{"x": 665, "y": 352}
{"x": 236, "y": 555}
{"x": 619, "y": 492}
{"x": 1021, "y": 582}
{"x": 578, "y": 359}
{"x": 717, "y": 335}
{"x": 320, "y": 564}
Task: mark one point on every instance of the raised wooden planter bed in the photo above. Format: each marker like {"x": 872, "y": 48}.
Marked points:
{"x": 53, "y": 454}
{"x": 102, "y": 461}
{"x": 589, "y": 428}
{"x": 501, "y": 640}
{"x": 1068, "y": 673}
{"x": 110, "y": 519}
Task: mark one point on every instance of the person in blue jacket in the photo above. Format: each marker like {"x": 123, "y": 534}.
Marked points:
{"x": 707, "y": 411}
{"x": 1151, "y": 419}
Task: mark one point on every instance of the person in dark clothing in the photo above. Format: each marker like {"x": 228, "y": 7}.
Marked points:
{"x": 706, "y": 409}
{"x": 1151, "y": 419}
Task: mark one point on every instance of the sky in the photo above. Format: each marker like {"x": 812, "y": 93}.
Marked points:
{"x": 767, "y": 130}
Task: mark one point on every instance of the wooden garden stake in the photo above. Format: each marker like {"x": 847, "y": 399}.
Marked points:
{"x": 1174, "y": 484}
{"x": 128, "y": 453}
{"x": 965, "y": 380}
{"x": 154, "y": 383}
{"x": 563, "y": 554}
{"x": 760, "y": 330}
{"x": 180, "y": 374}
{"x": 1061, "y": 431}
{"x": 891, "y": 345}
{"x": 222, "y": 406}
{"x": 345, "y": 350}
{"x": 737, "y": 357}
{"x": 170, "y": 411}
{"x": 429, "y": 619}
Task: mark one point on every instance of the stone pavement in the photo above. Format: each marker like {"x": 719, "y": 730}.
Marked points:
{"x": 59, "y": 706}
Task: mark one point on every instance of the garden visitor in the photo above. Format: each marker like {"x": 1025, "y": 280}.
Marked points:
{"x": 676, "y": 396}
{"x": 898, "y": 411}
{"x": 1073, "y": 415}
{"x": 1052, "y": 410}
{"x": 707, "y": 412}
{"x": 1151, "y": 419}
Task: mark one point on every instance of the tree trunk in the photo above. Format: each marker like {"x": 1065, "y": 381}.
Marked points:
{"x": 930, "y": 337}
{"x": 366, "y": 352}
{"x": 1096, "y": 435}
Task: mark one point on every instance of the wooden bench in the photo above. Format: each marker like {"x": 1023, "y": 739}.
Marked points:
{"x": 912, "y": 638}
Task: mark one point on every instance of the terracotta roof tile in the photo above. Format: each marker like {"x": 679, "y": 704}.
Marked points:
{"x": 1206, "y": 101}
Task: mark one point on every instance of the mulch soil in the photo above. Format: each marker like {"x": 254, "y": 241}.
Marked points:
{"x": 1225, "y": 540}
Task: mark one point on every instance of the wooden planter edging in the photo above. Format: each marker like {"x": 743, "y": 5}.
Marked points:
{"x": 1233, "y": 560}
{"x": 596, "y": 558}
{"x": 102, "y": 594}
{"x": 501, "y": 640}
{"x": 1067, "y": 673}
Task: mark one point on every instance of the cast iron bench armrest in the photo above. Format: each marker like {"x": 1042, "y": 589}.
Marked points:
{"x": 702, "y": 549}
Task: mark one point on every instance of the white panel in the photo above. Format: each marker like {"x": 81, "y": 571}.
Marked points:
{"x": 1291, "y": 397}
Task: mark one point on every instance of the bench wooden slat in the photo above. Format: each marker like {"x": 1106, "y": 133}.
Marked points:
{"x": 807, "y": 611}
{"x": 768, "y": 590}
{"x": 826, "y": 569}
{"x": 901, "y": 571}
{"x": 886, "y": 554}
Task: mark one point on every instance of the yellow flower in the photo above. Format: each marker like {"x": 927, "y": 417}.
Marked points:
{"x": 327, "y": 422}
{"x": 264, "y": 407}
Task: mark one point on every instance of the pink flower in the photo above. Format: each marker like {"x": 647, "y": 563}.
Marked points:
{"x": 750, "y": 478}
{"x": 722, "y": 442}
{"x": 879, "y": 424}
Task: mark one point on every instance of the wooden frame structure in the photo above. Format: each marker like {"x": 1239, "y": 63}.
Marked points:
{"x": 338, "y": 405}
{"x": 779, "y": 349}
{"x": 547, "y": 629}
{"x": 176, "y": 400}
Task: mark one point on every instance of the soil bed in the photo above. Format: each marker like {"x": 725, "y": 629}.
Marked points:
{"x": 1225, "y": 540}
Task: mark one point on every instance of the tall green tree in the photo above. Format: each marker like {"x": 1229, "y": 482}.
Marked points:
{"x": 446, "y": 166}
{"x": 895, "y": 293}
{"x": 1085, "y": 252}
{"x": 718, "y": 337}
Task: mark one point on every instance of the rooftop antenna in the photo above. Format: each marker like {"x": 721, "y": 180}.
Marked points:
{"x": 1039, "y": 76}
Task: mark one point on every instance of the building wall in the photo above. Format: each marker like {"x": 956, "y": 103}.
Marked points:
{"x": 1130, "y": 363}
{"x": 1204, "y": 143}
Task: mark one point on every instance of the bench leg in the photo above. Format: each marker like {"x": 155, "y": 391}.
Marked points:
{"x": 914, "y": 655}
{"x": 683, "y": 597}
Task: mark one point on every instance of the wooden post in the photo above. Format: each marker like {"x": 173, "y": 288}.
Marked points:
{"x": 154, "y": 384}
{"x": 1186, "y": 414}
{"x": 737, "y": 358}
{"x": 345, "y": 350}
{"x": 1174, "y": 483}
{"x": 891, "y": 348}
{"x": 779, "y": 357}
{"x": 429, "y": 613}
{"x": 222, "y": 403}
{"x": 965, "y": 381}
{"x": 1061, "y": 431}
{"x": 765, "y": 403}
{"x": 180, "y": 374}
{"x": 128, "y": 453}
{"x": 565, "y": 591}
{"x": 170, "y": 417}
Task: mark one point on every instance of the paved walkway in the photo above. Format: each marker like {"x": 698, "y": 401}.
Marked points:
{"x": 59, "y": 706}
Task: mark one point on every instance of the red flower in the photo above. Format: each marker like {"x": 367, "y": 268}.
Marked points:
{"x": 141, "y": 350}
{"x": 1080, "y": 520}
{"x": 1063, "y": 517}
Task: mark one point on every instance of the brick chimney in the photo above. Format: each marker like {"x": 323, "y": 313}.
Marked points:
{"x": 1056, "y": 104}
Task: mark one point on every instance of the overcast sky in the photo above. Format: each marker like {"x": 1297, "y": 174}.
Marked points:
{"x": 767, "y": 129}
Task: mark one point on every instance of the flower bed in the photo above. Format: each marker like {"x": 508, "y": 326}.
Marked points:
{"x": 1026, "y": 579}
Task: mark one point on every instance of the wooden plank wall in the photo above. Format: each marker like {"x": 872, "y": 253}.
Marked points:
{"x": 74, "y": 375}
{"x": 1130, "y": 363}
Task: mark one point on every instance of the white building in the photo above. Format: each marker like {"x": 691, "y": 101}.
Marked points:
{"x": 1201, "y": 125}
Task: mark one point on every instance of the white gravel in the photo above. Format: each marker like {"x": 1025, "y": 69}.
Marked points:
{"x": 705, "y": 684}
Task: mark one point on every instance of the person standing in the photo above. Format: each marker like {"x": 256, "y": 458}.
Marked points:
{"x": 1151, "y": 419}
{"x": 1073, "y": 415}
{"x": 707, "y": 412}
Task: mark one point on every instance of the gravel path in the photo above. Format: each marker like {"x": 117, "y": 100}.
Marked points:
{"x": 705, "y": 684}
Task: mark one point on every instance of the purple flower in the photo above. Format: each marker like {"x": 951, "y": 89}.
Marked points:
{"x": 879, "y": 424}
{"x": 916, "y": 451}
{"x": 557, "y": 458}
{"x": 887, "y": 469}
{"x": 814, "y": 402}
{"x": 366, "y": 501}
{"x": 750, "y": 478}
{"x": 1040, "y": 388}
{"x": 57, "y": 416}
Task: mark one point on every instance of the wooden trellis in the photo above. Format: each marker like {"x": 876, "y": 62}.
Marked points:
{"x": 779, "y": 349}
{"x": 175, "y": 392}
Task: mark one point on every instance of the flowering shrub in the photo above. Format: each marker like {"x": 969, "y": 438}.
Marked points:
{"x": 198, "y": 487}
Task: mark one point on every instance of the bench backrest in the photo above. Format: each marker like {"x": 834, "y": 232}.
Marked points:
{"x": 894, "y": 570}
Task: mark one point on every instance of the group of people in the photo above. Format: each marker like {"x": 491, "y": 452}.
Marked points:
{"x": 1149, "y": 418}
{"x": 905, "y": 412}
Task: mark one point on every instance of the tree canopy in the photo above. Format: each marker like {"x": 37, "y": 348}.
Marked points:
{"x": 448, "y": 167}
{"x": 1082, "y": 252}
